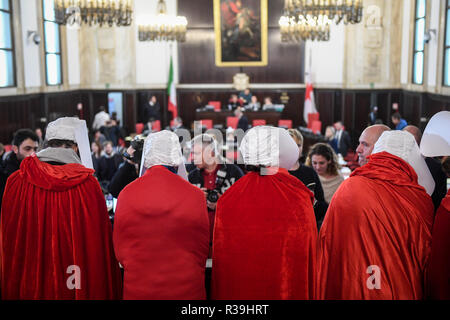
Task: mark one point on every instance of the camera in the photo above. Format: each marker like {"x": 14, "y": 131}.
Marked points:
{"x": 213, "y": 196}
{"x": 138, "y": 145}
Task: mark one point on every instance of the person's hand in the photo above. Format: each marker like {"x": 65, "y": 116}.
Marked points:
{"x": 211, "y": 206}
{"x": 131, "y": 152}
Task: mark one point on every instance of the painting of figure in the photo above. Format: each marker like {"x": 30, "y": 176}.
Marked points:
{"x": 241, "y": 32}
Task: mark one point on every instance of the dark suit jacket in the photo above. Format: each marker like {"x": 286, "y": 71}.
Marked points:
{"x": 243, "y": 123}
{"x": 440, "y": 179}
{"x": 152, "y": 112}
{"x": 344, "y": 144}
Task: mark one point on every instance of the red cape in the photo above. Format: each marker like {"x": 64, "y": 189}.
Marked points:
{"x": 438, "y": 282}
{"x": 54, "y": 217}
{"x": 161, "y": 237}
{"x": 379, "y": 217}
{"x": 265, "y": 237}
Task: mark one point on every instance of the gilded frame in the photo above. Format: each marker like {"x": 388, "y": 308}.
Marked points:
{"x": 219, "y": 45}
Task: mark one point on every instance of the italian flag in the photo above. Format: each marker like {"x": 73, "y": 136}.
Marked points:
{"x": 171, "y": 91}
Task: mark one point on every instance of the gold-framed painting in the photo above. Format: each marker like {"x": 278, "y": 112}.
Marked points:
{"x": 241, "y": 33}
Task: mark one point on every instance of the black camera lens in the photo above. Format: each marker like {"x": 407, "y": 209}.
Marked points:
{"x": 213, "y": 196}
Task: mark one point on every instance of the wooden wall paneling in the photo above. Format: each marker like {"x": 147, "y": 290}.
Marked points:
{"x": 337, "y": 106}
{"x": 129, "y": 112}
{"x": 350, "y": 106}
{"x": 411, "y": 110}
{"x": 383, "y": 104}
{"x": 348, "y": 110}
{"x": 434, "y": 104}
{"x": 62, "y": 105}
{"x": 360, "y": 114}
{"x": 325, "y": 106}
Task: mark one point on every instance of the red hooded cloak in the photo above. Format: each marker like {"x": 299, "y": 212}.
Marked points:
{"x": 378, "y": 227}
{"x": 439, "y": 267}
{"x": 161, "y": 237}
{"x": 54, "y": 220}
{"x": 264, "y": 244}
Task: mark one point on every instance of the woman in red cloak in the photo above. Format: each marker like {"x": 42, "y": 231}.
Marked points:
{"x": 55, "y": 235}
{"x": 264, "y": 244}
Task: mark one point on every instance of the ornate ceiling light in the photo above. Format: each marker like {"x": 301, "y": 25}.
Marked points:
{"x": 94, "y": 12}
{"x": 164, "y": 27}
{"x": 348, "y": 11}
{"x": 296, "y": 29}
{"x": 311, "y": 19}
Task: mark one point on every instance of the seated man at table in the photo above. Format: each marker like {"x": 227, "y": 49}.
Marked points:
{"x": 245, "y": 96}
{"x": 268, "y": 105}
{"x": 254, "y": 105}
{"x": 234, "y": 103}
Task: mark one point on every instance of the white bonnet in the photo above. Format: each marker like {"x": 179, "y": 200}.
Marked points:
{"x": 403, "y": 145}
{"x": 269, "y": 147}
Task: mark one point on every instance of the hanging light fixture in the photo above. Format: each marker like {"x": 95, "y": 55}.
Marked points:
{"x": 164, "y": 27}
{"x": 94, "y": 12}
{"x": 347, "y": 11}
{"x": 311, "y": 19}
{"x": 296, "y": 29}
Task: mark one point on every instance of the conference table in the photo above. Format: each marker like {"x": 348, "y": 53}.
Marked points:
{"x": 220, "y": 117}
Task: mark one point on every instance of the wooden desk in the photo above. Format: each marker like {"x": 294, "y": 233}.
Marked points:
{"x": 271, "y": 117}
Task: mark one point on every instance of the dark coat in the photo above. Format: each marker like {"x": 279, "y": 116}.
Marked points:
{"x": 440, "y": 180}
{"x": 10, "y": 165}
{"x": 109, "y": 166}
{"x": 123, "y": 177}
{"x": 345, "y": 144}
{"x": 243, "y": 123}
{"x": 152, "y": 112}
{"x": 311, "y": 180}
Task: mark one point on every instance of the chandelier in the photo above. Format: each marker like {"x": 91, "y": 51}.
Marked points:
{"x": 295, "y": 29}
{"x": 311, "y": 19}
{"x": 348, "y": 11}
{"x": 164, "y": 27}
{"x": 94, "y": 12}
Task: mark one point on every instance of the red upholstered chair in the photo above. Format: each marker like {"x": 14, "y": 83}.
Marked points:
{"x": 258, "y": 122}
{"x": 139, "y": 128}
{"x": 232, "y": 122}
{"x": 316, "y": 127}
{"x": 217, "y": 105}
{"x": 311, "y": 118}
{"x": 208, "y": 123}
{"x": 156, "y": 126}
{"x": 285, "y": 123}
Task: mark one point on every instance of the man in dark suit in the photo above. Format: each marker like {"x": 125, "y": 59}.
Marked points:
{"x": 243, "y": 121}
{"x": 152, "y": 109}
{"x": 343, "y": 139}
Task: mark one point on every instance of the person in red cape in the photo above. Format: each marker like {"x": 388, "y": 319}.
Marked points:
{"x": 56, "y": 237}
{"x": 376, "y": 237}
{"x": 435, "y": 143}
{"x": 161, "y": 228}
{"x": 264, "y": 244}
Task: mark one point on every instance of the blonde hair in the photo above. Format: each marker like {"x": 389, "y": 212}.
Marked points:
{"x": 296, "y": 135}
